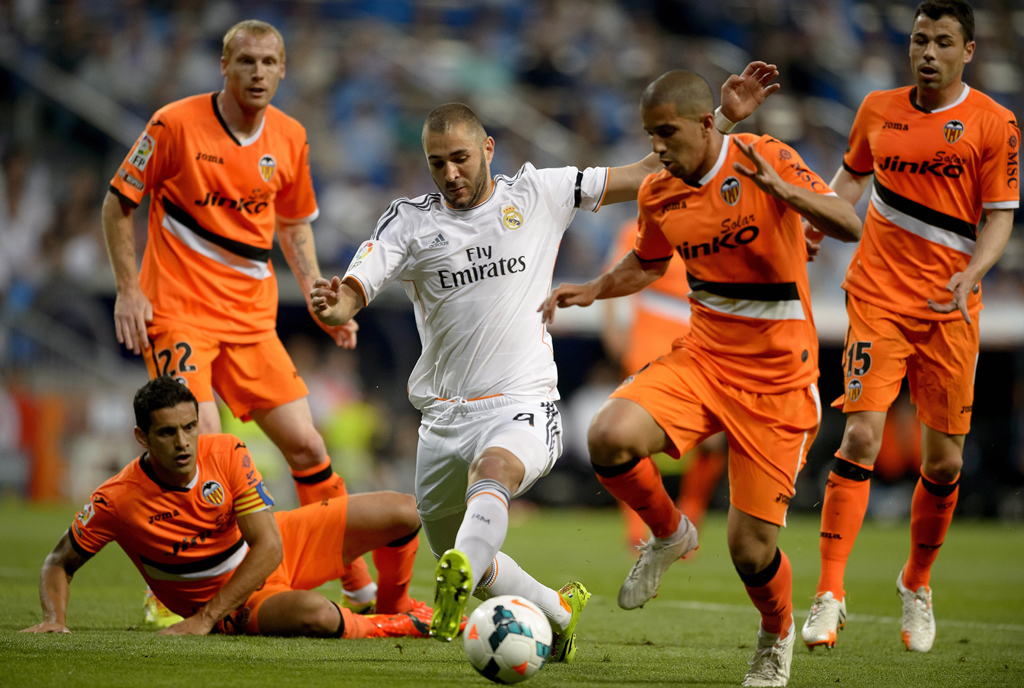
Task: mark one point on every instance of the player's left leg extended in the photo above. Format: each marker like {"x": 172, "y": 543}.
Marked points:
{"x": 290, "y": 427}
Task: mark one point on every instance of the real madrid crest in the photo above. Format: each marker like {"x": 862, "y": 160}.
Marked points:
{"x": 267, "y": 167}
{"x": 213, "y": 493}
{"x": 511, "y": 218}
{"x": 953, "y": 130}
{"x": 731, "y": 190}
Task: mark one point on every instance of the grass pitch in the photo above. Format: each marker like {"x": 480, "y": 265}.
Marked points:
{"x": 698, "y": 632}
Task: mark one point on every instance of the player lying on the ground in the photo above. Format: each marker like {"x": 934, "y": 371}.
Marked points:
{"x": 194, "y": 517}
{"x": 731, "y": 206}
{"x": 475, "y": 259}
{"x": 921, "y": 244}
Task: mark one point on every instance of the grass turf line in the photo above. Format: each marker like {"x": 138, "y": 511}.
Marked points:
{"x": 699, "y": 631}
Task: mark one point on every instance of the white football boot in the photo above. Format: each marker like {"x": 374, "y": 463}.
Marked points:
{"x": 827, "y": 616}
{"x": 772, "y": 659}
{"x": 918, "y": 627}
{"x": 656, "y": 555}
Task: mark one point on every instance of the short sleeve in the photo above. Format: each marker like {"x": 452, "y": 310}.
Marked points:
{"x": 858, "y": 159}
{"x": 95, "y": 525}
{"x": 379, "y": 260}
{"x": 651, "y": 243}
{"x": 1000, "y": 168}
{"x": 296, "y": 201}
{"x": 791, "y": 167}
{"x": 571, "y": 188}
{"x": 247, "y": 486}
{"x": 148, "y": 162}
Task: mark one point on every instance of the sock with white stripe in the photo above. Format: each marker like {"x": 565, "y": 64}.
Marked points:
{"x": 484, "y": 526}
{"x": 506, "y": 577}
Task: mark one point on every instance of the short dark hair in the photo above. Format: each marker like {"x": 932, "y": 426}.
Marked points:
{"x": 160, "y": 393}
{"x": 443, "y": 117}
{"x": 958, "y": 9}
{"x": 690, "y": 93}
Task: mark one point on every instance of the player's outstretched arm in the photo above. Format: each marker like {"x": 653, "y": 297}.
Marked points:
{"x": 300, "y": 251}
{"x": 741, "y": 95}
{"x": 265, "y": 554}
{"x": 831, "y": 215}
{"x": 629, "y": 276}
{"x": 335, "y": 302}
{"x": 55, "y": 586}
{"x": 132, "y": 310}
{"x": 988, "y": 250}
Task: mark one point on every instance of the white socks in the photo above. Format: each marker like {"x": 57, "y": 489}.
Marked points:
{"x": 484, "y": 526}
{"x": 506, "y": 577}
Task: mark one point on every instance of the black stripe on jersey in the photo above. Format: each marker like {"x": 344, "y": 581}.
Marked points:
{"x": 510, "y": 180}
{"x": 220, "y": 118}
{"x": 81, "y": 551}
{"x": 856, "y": 173}
{"x": 148, "y": 470}
{"x": 124, "y": 199}
{"x": 578, "y": 192}
{"x": 779, "y": 291}
{"x": 925, "y": 214}
{"x": 194, "y": 566}
{"x": 392, "y": 211}
{"x": 236, "y": 247}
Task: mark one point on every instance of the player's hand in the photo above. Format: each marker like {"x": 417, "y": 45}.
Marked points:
{"x": 343, "y": 335}
{"x": 564, "y": 296}
{"x": 132, "y": 310}
{"x": 961, "y": 288}
{"x": 45, "y": 627}
{"x": 763, "y": 174}
{"x": 812, "y": 238}
{"x": 193, "y": 625}
{"x": 324, "y": 299}
{"x": 743, "y": 94}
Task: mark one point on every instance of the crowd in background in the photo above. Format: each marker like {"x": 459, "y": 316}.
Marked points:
{"x": 556, "y": 82}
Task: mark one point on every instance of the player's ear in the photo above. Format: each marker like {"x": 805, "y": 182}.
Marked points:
{"x": 489, "y": 148}
{"x": 223, "y": 66}
{"x": 969, "y": 52}
{"x": 141, "y": 438}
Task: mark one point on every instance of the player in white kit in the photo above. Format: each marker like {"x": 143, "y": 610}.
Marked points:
{"x": 476, "y": 261}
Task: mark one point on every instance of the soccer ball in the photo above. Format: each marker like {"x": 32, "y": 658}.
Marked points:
{"x": 507, "y": 639}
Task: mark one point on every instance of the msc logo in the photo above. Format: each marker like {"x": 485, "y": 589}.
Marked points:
{"x": 511, "y": 218}
{"x": 267, "y": 167}
{"x": 953, "y": 130}
{"x": 731, "y": 190}
{"x": 854, "y": 389}
{"x": 213, "y": 492}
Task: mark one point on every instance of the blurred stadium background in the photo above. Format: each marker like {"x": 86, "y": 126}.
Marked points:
{"x": 555, "y": 82}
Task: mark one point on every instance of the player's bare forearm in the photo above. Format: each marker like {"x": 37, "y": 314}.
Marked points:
{"x": 849, "y": 187}
{"x": 55, "y": 586}
{"x": 830, "y": 215}
{"x": 300, "y": 251}
{"x": 627, "y": 277}
{"x": 624, "y": 182}
{"x": 120, "y": 239}
{"x": 991, "y": 243}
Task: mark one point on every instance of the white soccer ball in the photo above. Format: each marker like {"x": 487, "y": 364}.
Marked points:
{"x": 507, "y": 639}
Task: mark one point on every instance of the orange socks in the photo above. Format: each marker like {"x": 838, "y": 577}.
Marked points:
{"x": 771, "y": 591}
{"x": 846, "y": 501}
{"x": 698, "y": 485}
{"x": 355, "y": 625}
{"x": 318, "y": 483}
{"x": 394, "y": 571}
{"x": 636, "y": 529}
{"x": 638, "y": 484}
{"x": 930, "y": 515}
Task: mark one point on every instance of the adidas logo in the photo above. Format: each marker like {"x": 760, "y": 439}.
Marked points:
{"x": 438, "y": 242}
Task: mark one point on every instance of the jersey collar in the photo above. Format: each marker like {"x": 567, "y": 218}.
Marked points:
{"x": 147, "y": 468}
{"x": 722, "y": 155}
{"x": 958, "y": 101}
{"x": 243, "y": 142}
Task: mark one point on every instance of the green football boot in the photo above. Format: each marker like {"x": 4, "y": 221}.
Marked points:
{"x": 563, "y": 645}
{"x": 454, "y": 578}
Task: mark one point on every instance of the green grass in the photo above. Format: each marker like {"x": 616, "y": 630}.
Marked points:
{"x": 699, "y": 632}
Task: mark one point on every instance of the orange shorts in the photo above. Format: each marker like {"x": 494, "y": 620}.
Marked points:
{"x": 259, "y": 375}
{"x": 938, "y": 357}
{"x": 313, "y": 537}
{"x": 769, "y": 434}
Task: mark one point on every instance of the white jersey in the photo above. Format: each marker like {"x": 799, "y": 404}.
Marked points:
{"x": 476, "y": 278}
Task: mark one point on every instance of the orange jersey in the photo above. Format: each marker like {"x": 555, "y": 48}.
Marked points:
{"x": 934, "y": 174}
{"x": 213, "y": 207}
{"x": 745, "y": 258}
{"x": 183, "y": 540}
{"x": 661, "y": 312}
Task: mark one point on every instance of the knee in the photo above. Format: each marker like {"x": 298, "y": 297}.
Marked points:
{"x": 942, "y": 468}
{"x": 610, "y": 443}
{"x": 861, "y": 443}
{"x": 320, "y": 617}
{"x": 750, "y": 555}
{"x": 502, "y": 467}
{"x": 406, "y": 516}
{"x": 305, "y": 449}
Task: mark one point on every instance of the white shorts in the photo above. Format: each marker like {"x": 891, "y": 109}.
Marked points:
{"x": 450, "y": 438}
